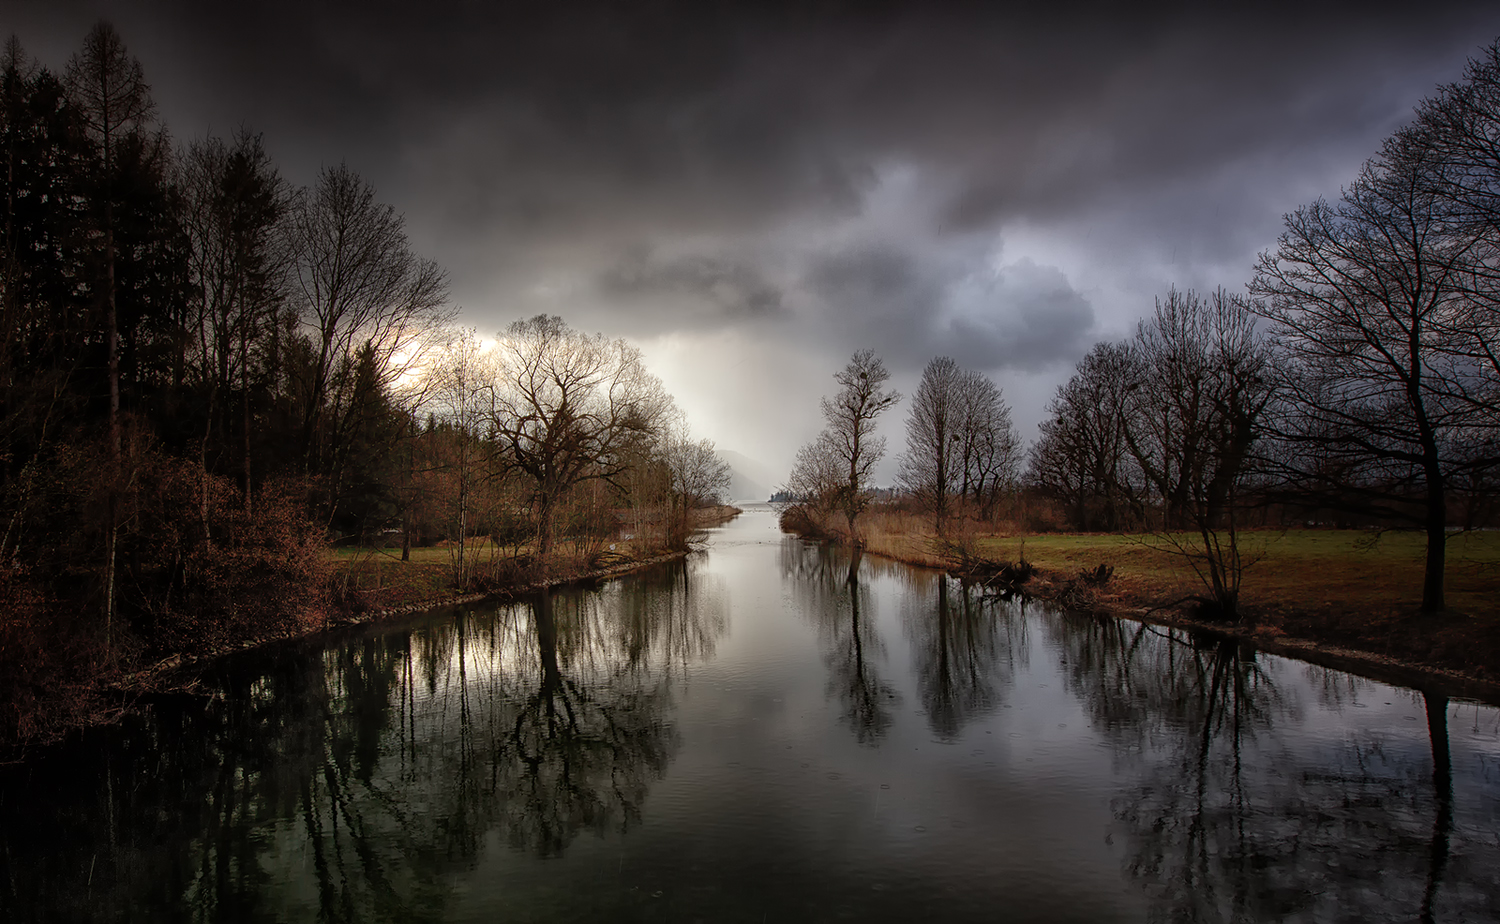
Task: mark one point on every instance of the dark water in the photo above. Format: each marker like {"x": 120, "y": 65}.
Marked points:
{"x": 765, "y": 734}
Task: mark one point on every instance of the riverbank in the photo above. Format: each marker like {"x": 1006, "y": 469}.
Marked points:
{"x": 1344, "y": 598}
{"x": 366, "y": 586}
{"x": 373, "y": 585}
{"x": 377, "y": 579}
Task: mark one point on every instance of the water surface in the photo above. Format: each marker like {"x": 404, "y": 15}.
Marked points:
{"x": 770, "y": 731}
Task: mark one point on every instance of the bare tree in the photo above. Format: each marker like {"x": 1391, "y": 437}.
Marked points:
{"x": 1193, "y": 414}
{"x": 357, "y": 283}
{"x": 959, "y": 440}
{"x": 849, "y": 432}
{"x": 833, "y": 471}
{"x": 460, "y": 394}
{"x": 697, "y": 475}
{"x": 570, "y": 407}
{"x": 1460, "y": 127}
{"x": 929, "y": 467}
{"x": 233, "y": 202}
{"x": 816, "y": 477}
{"x": 988, "y": 447}
{"x": 1081, "y": 458}
{"x": 1378, "y": 406}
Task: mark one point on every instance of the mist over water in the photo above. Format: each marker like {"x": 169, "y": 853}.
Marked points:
{"x": 768, "y": 731}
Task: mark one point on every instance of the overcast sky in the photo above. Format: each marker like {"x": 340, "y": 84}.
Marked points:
{"x": 752, "y": 194}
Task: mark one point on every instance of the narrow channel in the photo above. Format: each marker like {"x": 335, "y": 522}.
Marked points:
{"x": 772, "y": 730}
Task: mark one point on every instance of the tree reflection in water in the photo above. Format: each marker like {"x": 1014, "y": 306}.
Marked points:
{"x": 358, "y": 781}
{"x": 1231, "y": 823}
{"x": 827, "y": 577}
{"x": 371, "y": 780}
{"x": 967, "y": 643}
{"x": 670, "y": 618}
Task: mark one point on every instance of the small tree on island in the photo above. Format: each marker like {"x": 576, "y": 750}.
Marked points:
{"x": 696, "y": 475}
{"x": 834, "y": 470}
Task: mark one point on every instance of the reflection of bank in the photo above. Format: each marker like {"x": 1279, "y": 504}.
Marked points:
{"x": 356, "y": 783}
{"x": 827, "y": 577}
{"x": 670, "y": 617}
{"x": 1230, "y": 823}
{"x": 967, "y": 646}
{"x": 966, "y": 643}
{"x": 585, "y": 741}
{"x": 577, "y": 694}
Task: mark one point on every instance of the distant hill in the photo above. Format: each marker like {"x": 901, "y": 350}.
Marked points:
{"x": 750, "y": 480}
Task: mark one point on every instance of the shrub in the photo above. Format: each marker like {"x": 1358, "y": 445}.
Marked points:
{"x": 46, "y": 662}
{"x": 205, "y": 573}
{"x": 799, "y": 521}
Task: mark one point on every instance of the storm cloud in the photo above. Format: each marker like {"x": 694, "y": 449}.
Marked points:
{"x": 787, "y": 183}
{"x": 693, "y": 287}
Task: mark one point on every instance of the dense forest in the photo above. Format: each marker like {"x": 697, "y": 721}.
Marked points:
{"x": 208, "y": 377}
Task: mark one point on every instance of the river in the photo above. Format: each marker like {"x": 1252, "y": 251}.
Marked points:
{"x": 769, "y": 731}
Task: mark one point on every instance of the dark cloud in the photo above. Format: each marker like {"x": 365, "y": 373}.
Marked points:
{"x": 1019, "y": 316}
{"x": 877, "y": 286}
{"x": 1061, "y": 166}
{"x": 691, "y": 287}
{"x": 1028, "y": 318}
{"x": 527, "y": 120}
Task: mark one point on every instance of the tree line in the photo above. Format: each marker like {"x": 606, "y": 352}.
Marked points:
{"x": 1367, "y": 393}
{"x": 208, "y": 374}
{"x": 1356, "y": 382}
{"x": 962, "y": 452}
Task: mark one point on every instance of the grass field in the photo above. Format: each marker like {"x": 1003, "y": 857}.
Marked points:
{"x": 377, "y": 577}
{"x": 1297, "y": 568}
{"x": 381, "y": 574}
{"x": 1349, "y": 588}
{"x": 1292, "y": 568}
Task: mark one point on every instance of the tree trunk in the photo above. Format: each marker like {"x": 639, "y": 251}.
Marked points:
{"x": 1442, "y": 783}
{"x": 851, "y": 513}
{"x": 245, "y": 403}
{"x": 111, "y": 321}
{"x": 1437, "y": 544}
{"x": 544, "y": 528}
